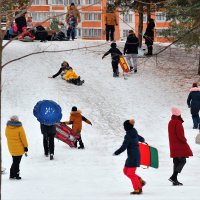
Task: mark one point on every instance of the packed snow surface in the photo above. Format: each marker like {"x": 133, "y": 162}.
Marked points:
{"x": 93, "y": 173}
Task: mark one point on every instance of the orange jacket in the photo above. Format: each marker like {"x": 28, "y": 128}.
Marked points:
{"x": 110, "y": 19}
{"x": 76, "y": 120}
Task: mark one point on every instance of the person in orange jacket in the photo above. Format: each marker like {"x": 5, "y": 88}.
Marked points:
{"x": 76, "y": 120}
{"x": 17, "y": 144}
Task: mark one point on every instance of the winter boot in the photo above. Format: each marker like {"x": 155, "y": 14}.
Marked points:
{"x": 131, "y": 68}
{"x": 51, "y": 157}
{"x": 139, "y": 191}
{"x": 177, "y": 183}
{"x": 81, "y": 145}
{"x": 143, "y": 183}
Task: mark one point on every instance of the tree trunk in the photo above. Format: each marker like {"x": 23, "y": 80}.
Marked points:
{"x": 199, "y": 64}
{"x": 140, "y": 26}
{"x": 1, "y": 44}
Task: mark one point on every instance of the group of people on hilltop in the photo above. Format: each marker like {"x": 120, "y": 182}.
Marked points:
{"x": 18, "y": 144}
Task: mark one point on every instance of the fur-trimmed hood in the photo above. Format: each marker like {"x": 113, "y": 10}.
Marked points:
{"x": 14, "y": 123}
{"x": 75, "y": 112}
{"x": 194, "y": 89}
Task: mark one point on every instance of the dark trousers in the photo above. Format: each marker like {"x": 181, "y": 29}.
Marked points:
{"x": 179, "y": 164}
{"x": 79, "y": 140}
{"x": 14, "y": 170}
{"x": 48, "y": 143}
{"x": 150, "y": 49}
{"x": 196, "y": 121}
{"x": 115, "y": 67}
{"x": 75, "y": 81}
{"x": 110, "y": 29}
{"x": 71, "y": 31}
{"x": 41, "y": 35}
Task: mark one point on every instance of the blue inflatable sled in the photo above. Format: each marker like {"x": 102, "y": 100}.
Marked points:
{"x": 47, "y": 112}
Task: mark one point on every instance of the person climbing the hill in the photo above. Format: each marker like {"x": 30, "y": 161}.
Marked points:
{"x": 130, "y": 144}
{"x": 62, "y": 71}
{"x": 179, "y": 148}
{"x": 76, "y": 119}
{"x": 193, "y": 102}
{"x": 17, "y": 144}
{"x": 115, "y": 55}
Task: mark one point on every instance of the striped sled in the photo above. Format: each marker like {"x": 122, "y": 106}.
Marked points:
{"x": 64, "y": 133}
{"x": 148, "y": 156}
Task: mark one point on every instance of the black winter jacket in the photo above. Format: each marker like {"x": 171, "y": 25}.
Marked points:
{"x": 131, "y": 45}
{"x": 48, "y": 130}
{"x": 130, "y": 143}
{"x": 62, "y": 69}
{"x": 193, "y": 100}
{"x": 115, "y": 54}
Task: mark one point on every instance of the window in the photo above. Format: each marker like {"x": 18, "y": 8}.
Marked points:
{"x": 144, "y": 18}
{"x": 125, "y": 33}
{"x": 57, "y": 2}
{"x": 41, "y": 16}
{"x": 128, "y": 18}
{"x": 39, "y": 2}
{"x": 91, "y": 33}
{"x": 91, "y": 16}
{"x": 92, "y": 1}
{"x": 159, "y": 33}
{"x": 161, "y": 17}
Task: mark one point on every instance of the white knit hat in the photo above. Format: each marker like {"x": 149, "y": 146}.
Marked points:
{"x": 14, "y": 118}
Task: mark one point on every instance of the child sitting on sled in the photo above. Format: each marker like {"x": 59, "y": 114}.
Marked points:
{"x": 26, "y": 35}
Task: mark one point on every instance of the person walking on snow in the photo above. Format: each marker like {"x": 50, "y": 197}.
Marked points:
{"x": 115, "y": 55}
{"x": 48, "y": 132}
{"x": 71, "y": 22}
{"x": 76, "y": 119}
{"x": 179, "y": 148}
{"x": 130, "y": 143}
{"x": 193, "y": 102}
{"x": 131, "y": 49}
{"x": 17, "y": 144}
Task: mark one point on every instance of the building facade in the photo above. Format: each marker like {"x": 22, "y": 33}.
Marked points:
{"x": 92, "y": 25}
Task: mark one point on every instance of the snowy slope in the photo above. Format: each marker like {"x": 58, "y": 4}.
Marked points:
{"x": 92, "y": 173}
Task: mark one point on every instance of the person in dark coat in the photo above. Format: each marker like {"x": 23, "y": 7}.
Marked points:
{"x": 193, "y": 102}
{"x": 115, "y": 55}
{"x": 48, "y": 139}
{"x": 130, "y": 143}
{"x": 62, "y": 71}
{"x": 131, "y": 49}
{"x": 179, "y": 148}
{"x": 20, "y": 20}
{"x": 40, "y": 33}
{"x": 149, "y": 36}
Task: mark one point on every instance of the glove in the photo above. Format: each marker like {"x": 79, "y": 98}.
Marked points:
{"x": 91, "y": 123}
{"x": 103, "y": 57}
{"x": 50, "y": 77}
{"x": 124, "y": 53}
{"x": 188, "y": 106}
{"x": 114, "y": 154}
{"x": 26, "y": 149}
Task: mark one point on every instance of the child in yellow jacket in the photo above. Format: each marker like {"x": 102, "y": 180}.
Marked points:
{"x": 72, "y": 77}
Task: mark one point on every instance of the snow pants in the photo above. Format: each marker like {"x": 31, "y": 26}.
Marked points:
{"x": 48, "y": 143}
{"x": 135, "y": 179}
{"x": 132, "y": 60}
{"x": 179, "y": 164}
{"x": 195, "y": 115}
{"x": 14, "y": 170}
{"x": 110, "y": 29}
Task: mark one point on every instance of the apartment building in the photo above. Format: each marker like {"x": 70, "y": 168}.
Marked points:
{"x": 92, "y": 24}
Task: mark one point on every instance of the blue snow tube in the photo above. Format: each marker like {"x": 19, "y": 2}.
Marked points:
{"x": 47, "y": 112}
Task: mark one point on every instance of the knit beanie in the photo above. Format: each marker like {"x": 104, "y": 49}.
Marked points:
{"x": 128, "y": 124}
{"x": 74, "y": 108}
{"x": 194, "y": 85}
{"x": 175, "y": 111}
{"x": 113, "y": 45}
{"x": 14, "y": 118}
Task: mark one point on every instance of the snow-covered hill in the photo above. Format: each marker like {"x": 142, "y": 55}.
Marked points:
{"x": 92, "y": 173}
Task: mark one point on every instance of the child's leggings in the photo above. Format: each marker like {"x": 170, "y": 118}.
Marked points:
{"x": 135, "y": 179}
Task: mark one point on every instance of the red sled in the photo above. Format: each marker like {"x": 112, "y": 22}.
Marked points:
{"x": 148, "y": 156}
{"x": 64, "y": 133}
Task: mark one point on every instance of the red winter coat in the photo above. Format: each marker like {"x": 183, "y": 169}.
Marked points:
{"x": 177, "y": 141}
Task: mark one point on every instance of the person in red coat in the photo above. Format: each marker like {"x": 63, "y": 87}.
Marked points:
{"x": 179, "y": 148}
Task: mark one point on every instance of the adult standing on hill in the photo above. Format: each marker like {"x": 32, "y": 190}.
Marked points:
{"x": 110, "y": 23}
{"x": 193, "y": 102}
{"x": 17, "y": 144}
{"x": 72, "y": 10}
{"x": 179, "y": 148}
{"x": 21, "y": 20}
{"x": 149, "y": 36}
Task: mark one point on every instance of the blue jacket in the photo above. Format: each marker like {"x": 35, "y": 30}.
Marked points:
{"x": 193, "y": 100}
{"x": 130, "y": 143}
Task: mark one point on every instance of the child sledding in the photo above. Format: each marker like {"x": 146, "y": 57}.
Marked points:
{"x": 67, "y": 73}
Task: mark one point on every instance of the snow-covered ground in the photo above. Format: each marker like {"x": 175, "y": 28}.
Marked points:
{"x": 92, "y": 173}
